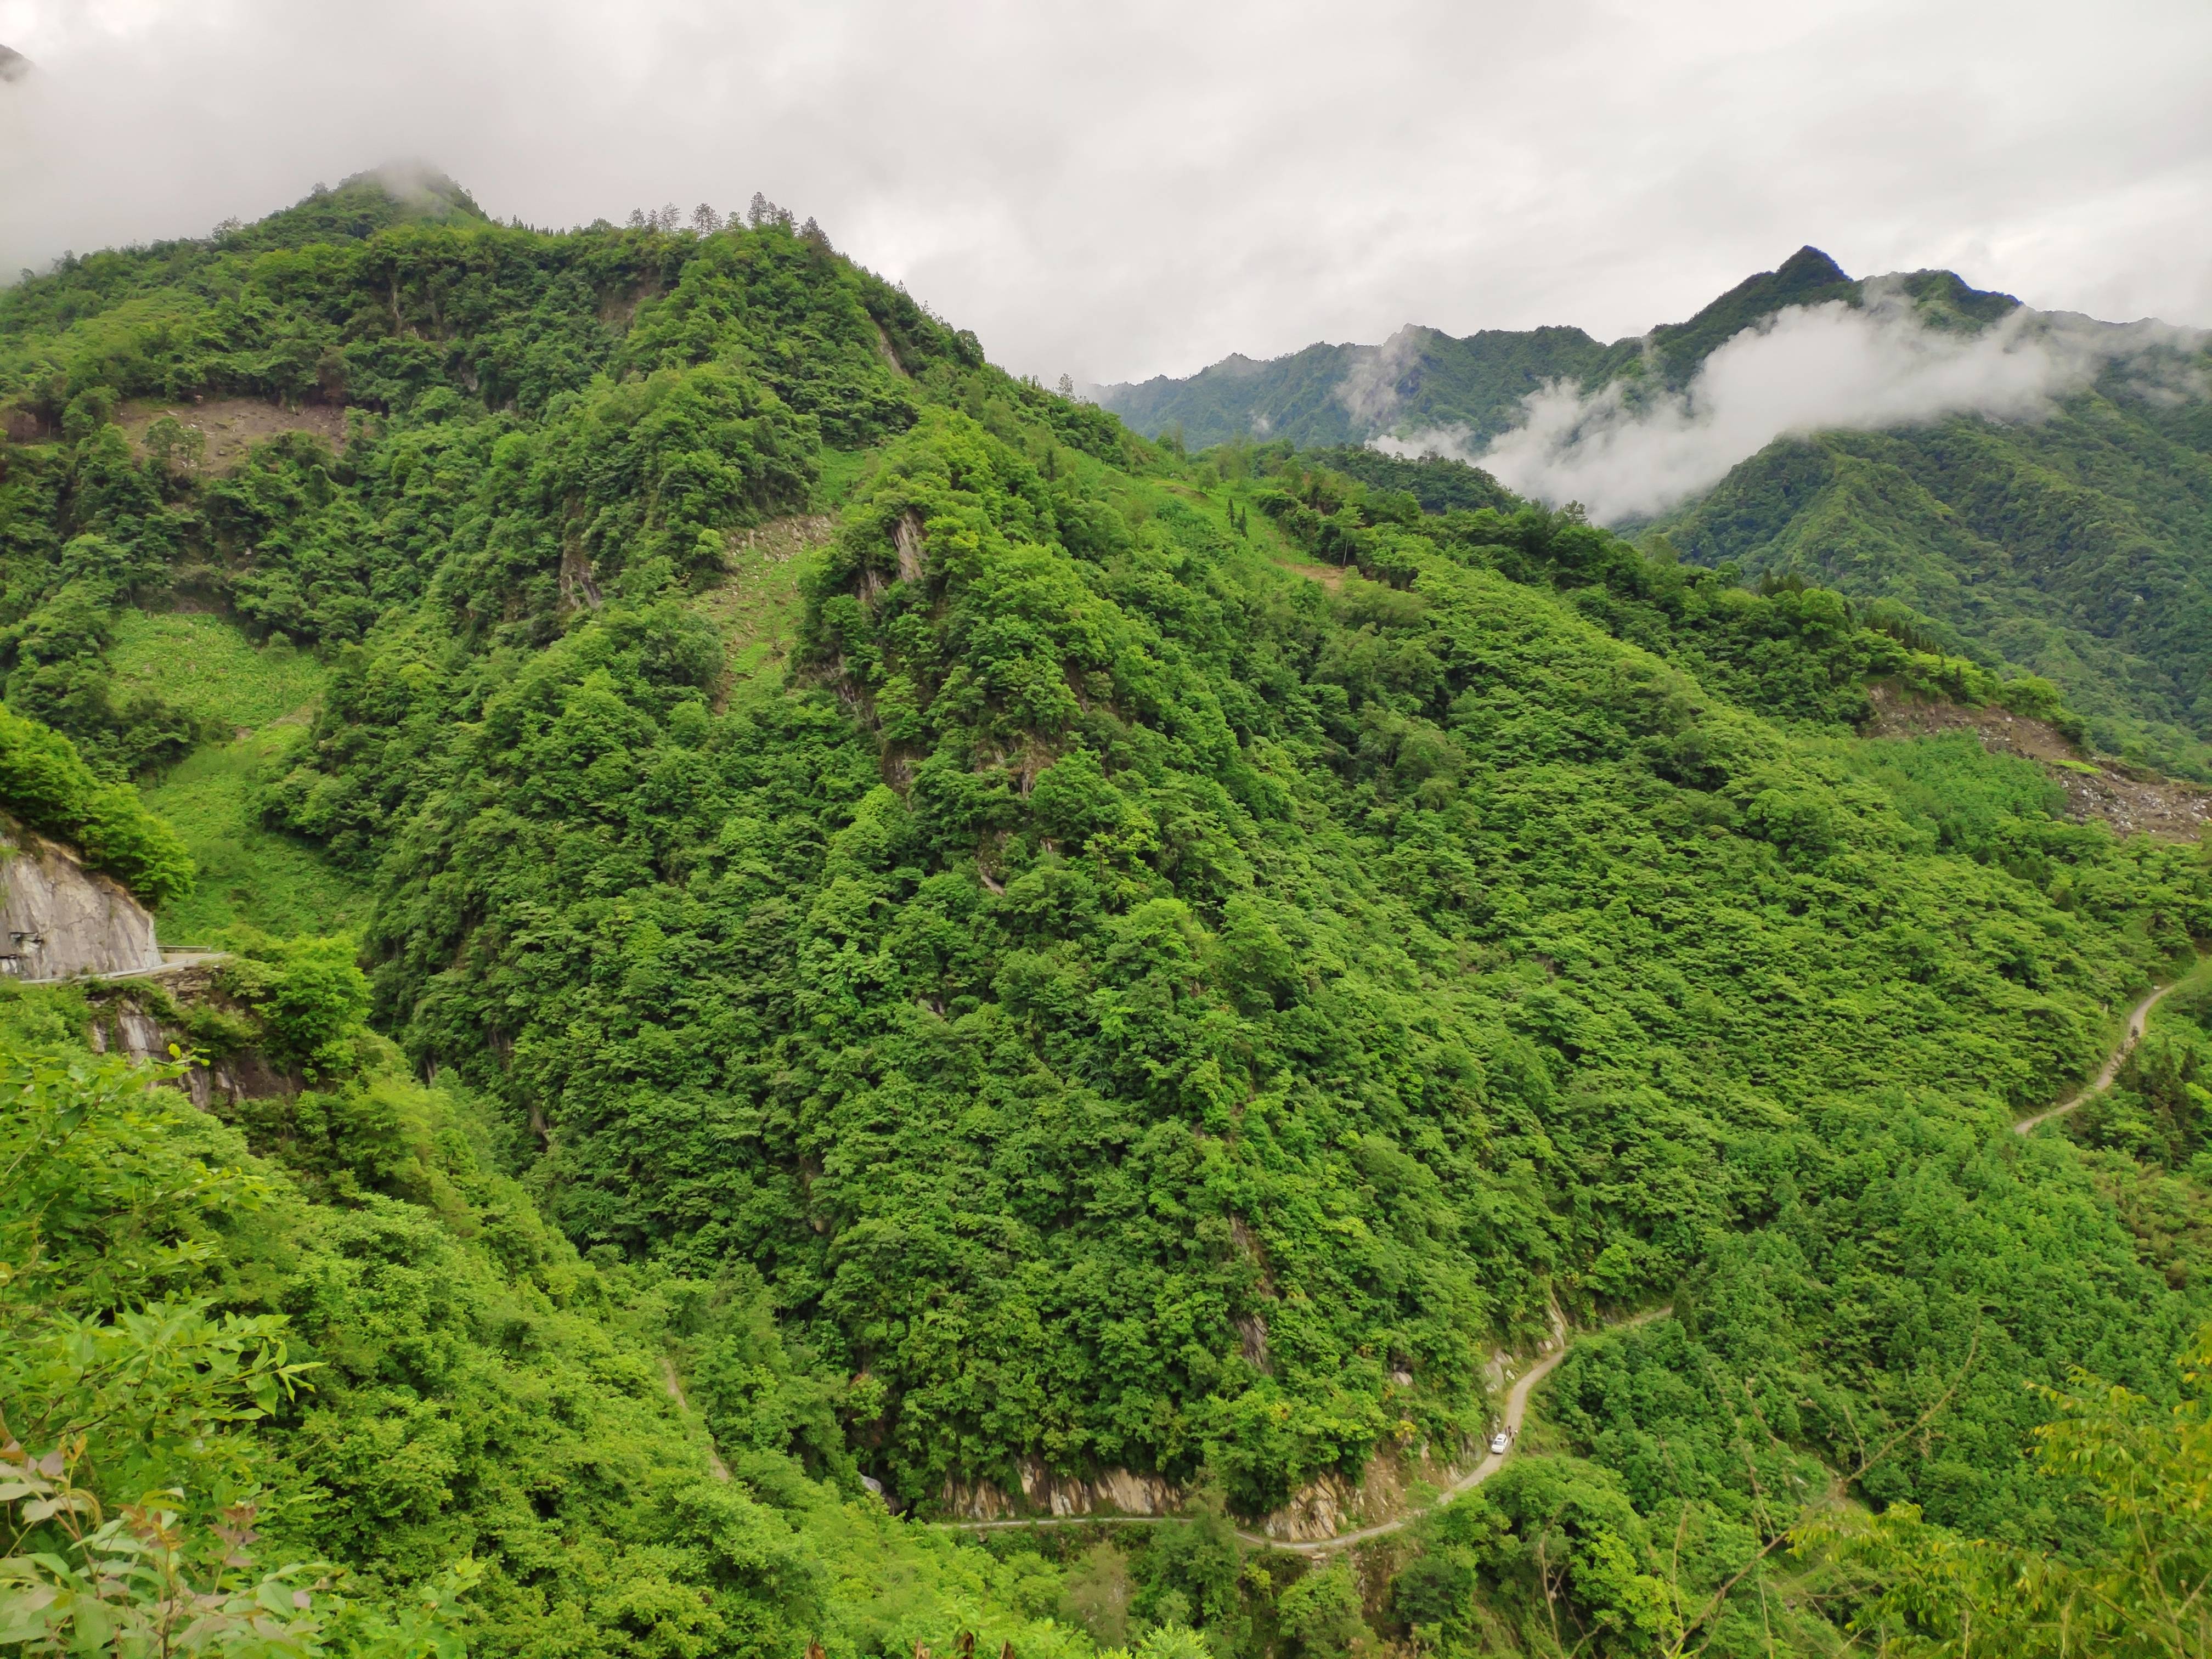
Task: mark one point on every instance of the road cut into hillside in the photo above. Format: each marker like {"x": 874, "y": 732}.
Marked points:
{"x": 2138, "y": 1018}
{"x": 1517, "y": 1410}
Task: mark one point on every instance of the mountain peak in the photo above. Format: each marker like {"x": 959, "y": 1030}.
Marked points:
{"x": 1809, "y": 267}
{"x": 398, "y": 192}
{"x": 14, "y": 66}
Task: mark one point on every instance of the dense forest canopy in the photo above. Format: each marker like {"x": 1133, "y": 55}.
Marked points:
{"x": 1083, "y": 957}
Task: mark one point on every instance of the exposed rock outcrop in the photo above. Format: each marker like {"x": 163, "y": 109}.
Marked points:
{"x": 913, "y": 544}
{"x": 1323, "y": 1509}
{"x": 59, "y": 920}
{"x": 1115, "y": 1492}
{"x": 2132, "y": 801}
{"x": 144, "y": 1018}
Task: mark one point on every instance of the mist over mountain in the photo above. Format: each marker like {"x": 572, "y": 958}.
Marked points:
{"x": 1647, "y": 420}
{"x": 1805, "y": 373}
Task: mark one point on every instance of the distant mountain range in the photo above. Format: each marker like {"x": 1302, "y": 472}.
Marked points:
{"x": 1422, "y": 379}
{"x": 2039, "y": 489}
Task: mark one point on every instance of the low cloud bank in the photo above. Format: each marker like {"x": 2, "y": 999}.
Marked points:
{"x": 1808, "y": 368}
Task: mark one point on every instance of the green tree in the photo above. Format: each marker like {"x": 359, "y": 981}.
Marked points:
{"x": 2139, "y": 1588}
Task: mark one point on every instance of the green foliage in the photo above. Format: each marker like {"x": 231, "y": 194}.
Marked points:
{"x": 47, "y": 786}
{"x": 248, "y": 873}
{"x": 445, "y": 1421}
{"x": 1319, "y": 1612}
{"x": 1439, "y": 485}
{"x": 1312, "y": 1087}
{"x": 2137, "y": 1592}
{"x": 308, "y": 995}
{"x": 2071, "y": 546}
{"x": 1191, "y": 957}
{"x": 204, "y": 665}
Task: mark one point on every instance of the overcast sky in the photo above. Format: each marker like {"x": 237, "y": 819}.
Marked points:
{"x": 1116, "y": 191}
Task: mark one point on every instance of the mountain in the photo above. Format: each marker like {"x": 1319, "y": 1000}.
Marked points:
{"x": 914, "y": 957}
{"x": 2077, "y": 546}
{"x": 1339, "y": 394}
{"x": 2072, "y": 541}
{"x": 1422, "y": 380}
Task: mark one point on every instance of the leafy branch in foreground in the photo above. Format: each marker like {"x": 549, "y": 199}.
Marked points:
{"x": 1870, "y": 1460}
{"x": 147, "y": 1583}
{"x": 2141, "y": 1595}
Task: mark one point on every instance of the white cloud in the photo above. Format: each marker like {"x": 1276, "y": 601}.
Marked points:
{"x": 1146, "y": 186}
{"x": 1370, "y": 389}
{"x": 1624, "y": 452}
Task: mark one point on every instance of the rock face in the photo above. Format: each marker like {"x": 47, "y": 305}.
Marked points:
{"x": 58, "y": 919}
{"x": 139, "y": 1019}
{"x": 1117, "y": 1492}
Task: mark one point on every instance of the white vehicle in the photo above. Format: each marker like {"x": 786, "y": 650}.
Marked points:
{"x": 1500, "y": 1443}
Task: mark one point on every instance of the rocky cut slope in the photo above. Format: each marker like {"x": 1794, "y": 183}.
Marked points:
{"x": 59, "y": 920}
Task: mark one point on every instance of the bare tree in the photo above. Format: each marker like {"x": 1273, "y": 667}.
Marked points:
{"x": 705, "y": 219}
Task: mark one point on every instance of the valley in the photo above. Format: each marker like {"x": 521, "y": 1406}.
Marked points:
{"x": 807, "y": 930}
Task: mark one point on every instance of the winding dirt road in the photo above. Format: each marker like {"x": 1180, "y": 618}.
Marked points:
{"x": 1517, "y": 1399}
{"x": 1516, "y": 1410}
{"x": 2136, "y": 1021}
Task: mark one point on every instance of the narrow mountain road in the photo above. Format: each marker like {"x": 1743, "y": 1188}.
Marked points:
{"x": 1517, "y": 1410}
{"x": 174, "y": 961}
{"x": 2138, "y": 1020}
{"x": 675, "y": 1385}
{"x": 1516, "y": 1398}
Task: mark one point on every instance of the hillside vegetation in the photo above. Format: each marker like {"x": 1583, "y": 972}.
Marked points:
{"x": 1169, "y": 964}
{"x": 2073, "y": 548}
{"x": 2076, "y": 547}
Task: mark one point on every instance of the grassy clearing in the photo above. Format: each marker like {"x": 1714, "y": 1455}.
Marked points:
{"x": 206, "y": 665}
{"x": 756, "y": 607}
{"x": 843, "y": 470}
{"x": 247, "y": 873}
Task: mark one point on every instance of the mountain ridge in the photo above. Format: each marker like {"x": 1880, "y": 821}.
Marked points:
{"x": 1475, "y": 382}
{"x": 2110, "y": 482}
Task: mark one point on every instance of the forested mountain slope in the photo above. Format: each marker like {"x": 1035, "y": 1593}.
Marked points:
{"x": 2077, "y": 545}
{"x": 1338, "y": 394}
{"x": 1159, "y": 964}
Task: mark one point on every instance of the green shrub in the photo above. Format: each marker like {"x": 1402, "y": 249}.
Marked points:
{"x": 310, "y": 995}
{"x": 46, "y": 786}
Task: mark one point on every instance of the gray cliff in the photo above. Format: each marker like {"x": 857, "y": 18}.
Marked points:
{"x": 59, "y": 920}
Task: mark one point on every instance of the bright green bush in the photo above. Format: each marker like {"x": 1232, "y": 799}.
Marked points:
{"x": 48, "y": 788}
